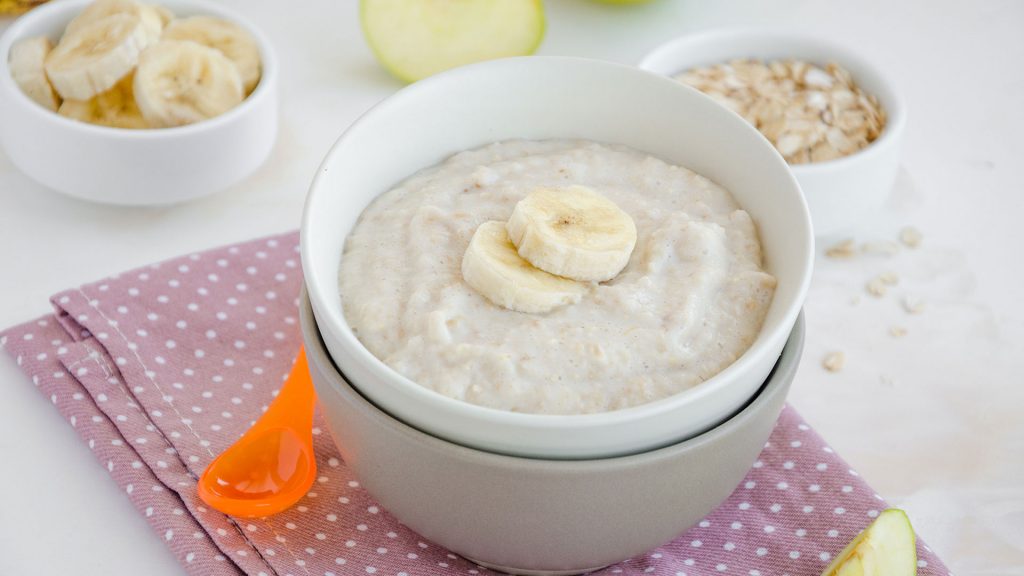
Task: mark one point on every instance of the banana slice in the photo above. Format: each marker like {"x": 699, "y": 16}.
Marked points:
{"x": 573, "y": 232}
{"x": 152, "y": 17}
{"x": 230, "y": 38}
{"x": 115, "y": 108}
{"x": 93, "y": 57}
{"x": 494, "y": 269}
{"x": 26, "y": 63}
{"x": 180, "y": 83}
{"x": 165, "y": 14}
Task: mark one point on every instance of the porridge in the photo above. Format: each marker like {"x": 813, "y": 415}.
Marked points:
{"x": 685, "y": 298}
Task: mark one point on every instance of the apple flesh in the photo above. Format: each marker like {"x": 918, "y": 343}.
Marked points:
{"x": 413, "y": 39}
{"x": 885, "y": 548}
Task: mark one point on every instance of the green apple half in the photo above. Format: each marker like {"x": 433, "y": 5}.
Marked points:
{"x": 885, "y": 548}
{"x": 413, "y": 39}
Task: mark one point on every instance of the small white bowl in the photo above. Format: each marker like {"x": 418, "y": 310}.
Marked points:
{"x": 840, "y": 193}
{"x": 134, "y": 167}
{"x": 538, "y": 98}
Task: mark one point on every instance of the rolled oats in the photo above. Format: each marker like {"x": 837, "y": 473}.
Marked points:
{"x": 913, "y": 304}
{"x": 911, "y": 237}
{"x": 883, "y": 248}
{"x": 845, "y": 249}
{"x": 834, "y": 361}
{"x": 889, "y": 278}
{"x": 897, "y": 331}
{"x": 877, "y": 287}
{"x": 809, "y": 113}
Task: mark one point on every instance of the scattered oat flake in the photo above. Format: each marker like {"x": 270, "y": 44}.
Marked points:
{"x": 889, "y": 278}
{"x": 887, "y": 381}
{"x": 897, "y": 331}
{"x": 911, "y": 237}
{"x": 913, "y": 304}
{"x": 882, "y": 248}
{"x": 834, "y": 361}
{"x": 855, "y": 299}
{"x": 876, "y": 287}
{"x": 844, "y": 249}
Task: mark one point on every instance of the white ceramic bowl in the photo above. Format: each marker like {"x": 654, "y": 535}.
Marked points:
{"x": 840, "y": 193}
{"x": 537, "y": 98}
{"x": 134, "y": 167}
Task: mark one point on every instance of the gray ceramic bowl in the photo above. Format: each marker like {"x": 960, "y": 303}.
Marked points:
{"x": 533, "y": 516}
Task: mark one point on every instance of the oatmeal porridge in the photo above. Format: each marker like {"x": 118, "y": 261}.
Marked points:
{"x": 684, "y": 302}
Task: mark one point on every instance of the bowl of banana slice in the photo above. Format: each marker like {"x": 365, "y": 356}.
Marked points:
{"x": 128, "y": 103}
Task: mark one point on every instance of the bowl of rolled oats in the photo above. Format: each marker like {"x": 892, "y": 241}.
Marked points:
{"x": 831, "y": 114}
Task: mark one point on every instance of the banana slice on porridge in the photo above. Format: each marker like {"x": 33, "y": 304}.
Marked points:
{"x": 493, "y": 268}
{"x": 573, "y": 232}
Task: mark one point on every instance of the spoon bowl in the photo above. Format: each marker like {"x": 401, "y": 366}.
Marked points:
{"x": 272, "y": 466}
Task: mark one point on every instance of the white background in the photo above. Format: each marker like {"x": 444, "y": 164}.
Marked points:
{"x": 933, "y": 419}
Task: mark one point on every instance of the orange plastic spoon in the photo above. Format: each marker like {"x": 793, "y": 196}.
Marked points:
{"x": 272, "y": 465}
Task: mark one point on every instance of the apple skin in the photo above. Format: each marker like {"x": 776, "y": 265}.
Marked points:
{"x": 408, "y": 77}
{"x": 885, "y": 548}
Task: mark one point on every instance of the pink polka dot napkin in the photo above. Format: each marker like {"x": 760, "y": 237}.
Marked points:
{"x": 161, "y": 368}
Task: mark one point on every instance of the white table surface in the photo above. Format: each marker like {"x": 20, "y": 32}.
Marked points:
{"x": 932, "y": 419}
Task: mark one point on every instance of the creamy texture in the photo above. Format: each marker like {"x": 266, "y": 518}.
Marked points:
{"x": 690, "y": 301}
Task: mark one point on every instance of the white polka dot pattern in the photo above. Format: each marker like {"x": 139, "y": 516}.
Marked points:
{"x": 161, "y": 368}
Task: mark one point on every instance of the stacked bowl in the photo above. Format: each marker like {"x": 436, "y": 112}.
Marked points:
{"x": 542, "y": 493}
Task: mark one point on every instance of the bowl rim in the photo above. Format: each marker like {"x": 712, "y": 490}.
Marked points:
{"x": 263, "y": 89}
{"x": 895, "y": 104}
{"x": 548, "y": 422}
{"x": 780, "y": 378}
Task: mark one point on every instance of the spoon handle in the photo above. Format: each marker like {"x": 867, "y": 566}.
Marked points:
{"x": 295, "y": 400}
